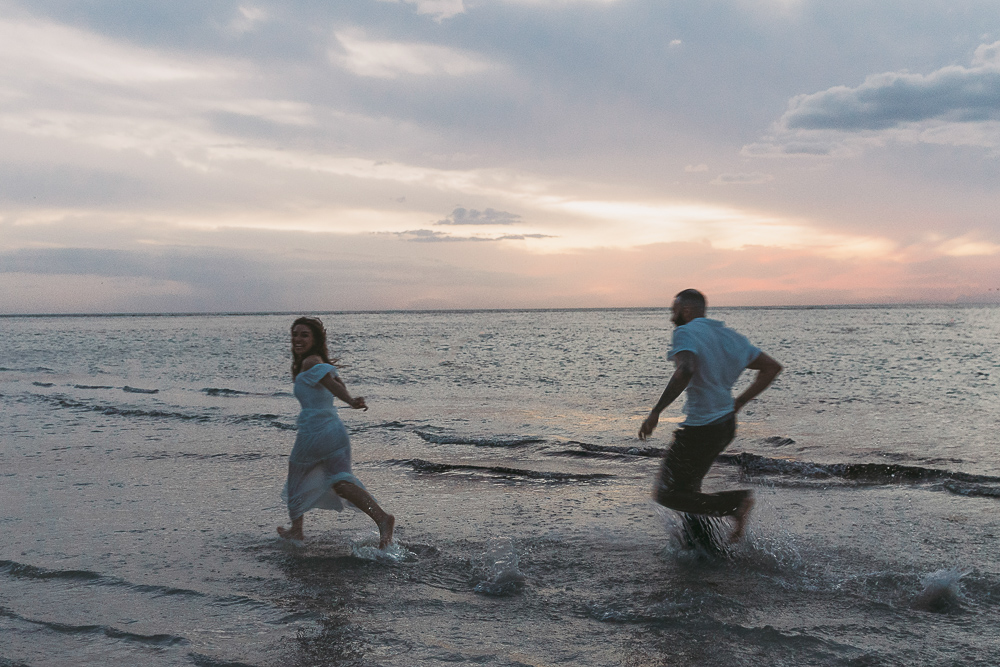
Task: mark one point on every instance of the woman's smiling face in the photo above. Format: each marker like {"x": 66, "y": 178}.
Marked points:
{"x": 302, "y": 339}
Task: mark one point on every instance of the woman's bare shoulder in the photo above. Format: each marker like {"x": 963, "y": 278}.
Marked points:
{"x": 311, "y": 361}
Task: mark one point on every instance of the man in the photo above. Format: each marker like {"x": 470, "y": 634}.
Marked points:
{"x": 708, "y": 358}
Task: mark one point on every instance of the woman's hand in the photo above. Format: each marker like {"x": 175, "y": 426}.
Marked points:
{"x": 358, "y": 403}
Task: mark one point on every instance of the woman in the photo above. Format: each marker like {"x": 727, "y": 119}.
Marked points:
{"x": 319, "y": 468}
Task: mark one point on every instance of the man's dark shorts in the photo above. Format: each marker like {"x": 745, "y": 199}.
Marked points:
{"x": 686, "y": 463}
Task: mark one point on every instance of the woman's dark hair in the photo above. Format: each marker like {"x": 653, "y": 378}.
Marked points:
{"x": 318, "y": 347}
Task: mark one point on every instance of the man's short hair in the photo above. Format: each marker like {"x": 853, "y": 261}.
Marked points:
{"x": 692, "y": 297}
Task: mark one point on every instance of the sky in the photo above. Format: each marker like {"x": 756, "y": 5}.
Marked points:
{"x": 303, "y": 155}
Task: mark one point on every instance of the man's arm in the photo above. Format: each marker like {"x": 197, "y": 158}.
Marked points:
{"x": 767, "y": 369}
{"x": 683, "y": 372}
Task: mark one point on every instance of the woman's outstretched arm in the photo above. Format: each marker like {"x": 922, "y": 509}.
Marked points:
{"x": 339, "y": 389}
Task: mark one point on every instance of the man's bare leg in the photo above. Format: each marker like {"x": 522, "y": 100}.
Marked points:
{"x": 741, "y": 516}
{"x": 293, "y": 533}
{"x": 363, "y": 500}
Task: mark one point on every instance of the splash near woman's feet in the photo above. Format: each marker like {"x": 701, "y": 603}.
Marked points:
{"x": 368, "y": 547}
{"x": 296, "y": 537}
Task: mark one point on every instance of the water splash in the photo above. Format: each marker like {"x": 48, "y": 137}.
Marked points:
{"x": 501, "y": 567}
{"x": 695, "y": 535}
{"x": 366, "y": 548}
{"x": 942, "y": 591}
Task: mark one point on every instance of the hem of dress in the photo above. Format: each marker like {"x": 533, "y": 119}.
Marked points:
{"x": 333, "y": 498}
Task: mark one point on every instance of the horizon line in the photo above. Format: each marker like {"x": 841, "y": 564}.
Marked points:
{"x": 235, "y": 313}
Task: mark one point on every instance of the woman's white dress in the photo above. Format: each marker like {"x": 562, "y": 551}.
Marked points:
{"x": 321, "y": 456}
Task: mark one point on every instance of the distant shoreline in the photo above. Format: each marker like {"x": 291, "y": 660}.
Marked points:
{"x": 858, "y": 306}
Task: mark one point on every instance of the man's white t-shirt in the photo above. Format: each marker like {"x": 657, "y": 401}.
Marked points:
{"x": 721, "y": 354}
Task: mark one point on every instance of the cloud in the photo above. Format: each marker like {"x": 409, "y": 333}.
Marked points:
{"x": 461, "y": 216}
{"x": 388, "y": 60}
{"x": 753, "y": 178}
{"x": 47, "y": 49}
{"x": 248, "y": 19}
{"x": 952, "y": 105}
{"x": 791, "y": 148}
{"x": 695, "y": 168}
{"x": 562, "y": 3}
{"x": 430, "y": 236}
{"x": 883, "y": 101}
{"x": 439, "y": 9}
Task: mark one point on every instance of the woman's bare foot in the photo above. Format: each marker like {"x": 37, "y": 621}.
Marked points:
{"x": 385, "y": 531}
{"x": 741, "y": 516}
{"x": 291, "y": 534}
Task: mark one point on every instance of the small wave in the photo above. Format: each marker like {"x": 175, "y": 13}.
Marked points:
{"x": 629, "y": 451}
{"x": 135, "y": 390}
{"x": 580, "y": 454}
{"x": 660, "y": 613}
{"x": 202, "y": 660}
{"x": 971, "y": 490}
{"x": 43, "y": 384}
{"x": 266, "y": 419}
{"x": 242, "y": 456}
{"x": 879, "y": 473}
{"x": 107, "y": 630}
{"x": 270, "y": 420}
{"x": 391, "y": 425}
{"x": 22, "y": 570}
{"x": 420, "y": 465}
{"x": 496, "y": 441}
{"x": 92, "y": 386}
{"x": 222, "y": 391}
{"x": 63, "y": 401}
{"x": 777, "y": 441}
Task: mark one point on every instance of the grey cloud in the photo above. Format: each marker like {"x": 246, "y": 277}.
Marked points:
{"x": 461, "y": 216}
{"x": 883, "y": 101}
{"x": 431, "y": 236}
{"x": 521, "y": 237}
{"x": 791, "y": 148}
{"x": 753, "y": 178}
{"x": 214, "y": 267}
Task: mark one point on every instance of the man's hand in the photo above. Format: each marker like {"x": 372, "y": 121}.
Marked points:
{"x": 649, "y": 425}
{"x": 767, "y": 369}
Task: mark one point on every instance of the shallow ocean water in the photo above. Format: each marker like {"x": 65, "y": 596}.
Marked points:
{"x": 142, "y": 458}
